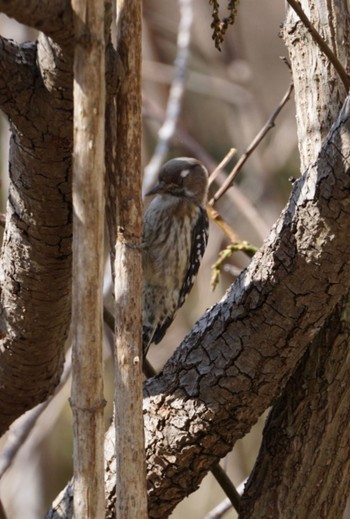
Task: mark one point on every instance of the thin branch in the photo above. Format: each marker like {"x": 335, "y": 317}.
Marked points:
{"x": 177, "y": 89}
{"x": 256, "y": 141}
{"x": 53, "y": 17}
{"x": 87, "y": 399}
{"x": 226, "y": 504}
{"x": 216, "y": 217}
{"x": 227, "y": 486}
{"x": 130, "y": 484}
{"x": 219, "y": 510}
{"x": 236, "y": 197}
{"x": 295, "y": 4}
{"x": 231, "y": 153}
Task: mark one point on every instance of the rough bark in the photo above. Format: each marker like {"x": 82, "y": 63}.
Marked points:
{"x": 306, "y": 434}
{"x": 319, "y": 91}
{"x": 53, "y": 17}
{"x": 36, "y": 250}
{"x": 304, "y": 462}
{"x": 87, "y": 399}
{"x": 241, "y": 353}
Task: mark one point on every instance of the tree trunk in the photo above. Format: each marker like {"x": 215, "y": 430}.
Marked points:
{"x": 304, "y": 463}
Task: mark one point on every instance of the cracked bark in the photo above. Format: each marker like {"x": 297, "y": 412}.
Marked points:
{"x": 303, "y": 468}
{"x": 35, "y": 92}
{"x": 53, "y": 17}
{"x": 241, "y": 353}
{"x": 238, "y": 357}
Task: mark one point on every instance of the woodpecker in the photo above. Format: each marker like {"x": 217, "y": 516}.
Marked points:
{"x": 175, "y": 235}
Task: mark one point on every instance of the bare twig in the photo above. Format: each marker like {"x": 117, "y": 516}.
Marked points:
{"x": 220, "y": 222}
{"x": 175, "y": 96}
{"x": 225, "y": 254}
{"x": 222, "y": 164}
{"x": 295, "y": 4}
{"x": 259, "y": 137}
{"x": 227, "y": 486}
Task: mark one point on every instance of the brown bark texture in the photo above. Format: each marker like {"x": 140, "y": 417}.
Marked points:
{"x": 239, "y": 356}
{"x": 35, "y": 92}
{"x": 241, "y": 353}
{"x": 303, "y": 466}
{"x": 304, "y": 462}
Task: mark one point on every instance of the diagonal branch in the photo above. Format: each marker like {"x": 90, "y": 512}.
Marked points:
{"x": 256, "y": 141}
{"x": 53, "y": 17}
{"x": 241, "y": 353}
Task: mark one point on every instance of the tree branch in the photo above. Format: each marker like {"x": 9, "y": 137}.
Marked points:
{"x": 321, "y": 43}
{"x": 256, "y": 141}
{"x": 17, "y": 75}
{"x": 36, "y": 251}
{"x": 87, "y": 400}
{"x": 53, "y": 17}
{"x": 241, "y": 353}
{"x": 130, "y": 484}
{"x": 301, "y": 452}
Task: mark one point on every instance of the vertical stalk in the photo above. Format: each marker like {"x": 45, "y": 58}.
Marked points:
{"x": 88, "y": 203}
{"x": 131, "y": 500}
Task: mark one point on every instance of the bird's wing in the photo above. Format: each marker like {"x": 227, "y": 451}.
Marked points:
{"x": 199, "y": 242}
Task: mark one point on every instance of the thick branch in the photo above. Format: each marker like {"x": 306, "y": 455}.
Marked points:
{"x": 241, "y": 353}
{"x": 36, "y": 251}
{"x": 17, "y": 75}
{"x": 303, "y": 466}
{"x": 53, "y": 17}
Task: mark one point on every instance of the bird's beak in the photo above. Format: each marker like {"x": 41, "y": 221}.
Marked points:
{"x": 158, "y": 188}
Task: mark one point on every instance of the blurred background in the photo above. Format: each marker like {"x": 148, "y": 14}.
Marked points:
{"x": 228, "y": 96}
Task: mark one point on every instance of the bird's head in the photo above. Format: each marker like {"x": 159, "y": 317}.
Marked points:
{"x": 183, "y": 177}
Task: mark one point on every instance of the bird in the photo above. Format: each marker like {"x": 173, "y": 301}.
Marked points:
{"x": 175, "y": 236}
